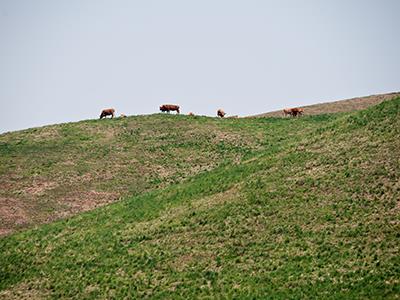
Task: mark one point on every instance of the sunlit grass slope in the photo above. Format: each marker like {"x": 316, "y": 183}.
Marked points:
{"x": 60, "y": 170}
{"x": 313, "y": 212}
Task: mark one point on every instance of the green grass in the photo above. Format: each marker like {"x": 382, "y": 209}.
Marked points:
{"x": 60, "y": 170}
{"x": 295, "y": 208}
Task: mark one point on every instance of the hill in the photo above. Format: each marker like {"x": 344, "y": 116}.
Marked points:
{"x": 56, "y": 171}
{"x": 306, "y": 208}
{"x": 330, "y": 107}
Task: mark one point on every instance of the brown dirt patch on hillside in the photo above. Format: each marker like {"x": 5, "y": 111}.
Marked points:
{"x": 347, "y": 105}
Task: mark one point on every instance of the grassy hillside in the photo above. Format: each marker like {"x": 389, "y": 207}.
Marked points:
{"x": 347, "y": 105}
{"x": 310, "y": 210}
{"x": 56, "y": 171}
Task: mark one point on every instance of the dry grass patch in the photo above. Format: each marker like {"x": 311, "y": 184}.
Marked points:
{"x": 329, "y": 107}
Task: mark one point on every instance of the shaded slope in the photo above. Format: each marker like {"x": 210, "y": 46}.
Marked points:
{"x": 314, "y": 216}
{"x": 347, "y": 105}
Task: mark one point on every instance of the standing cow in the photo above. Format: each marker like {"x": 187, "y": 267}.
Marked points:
{"x": 287, "y": 111}
{"x": 169, "y": 107}
{"x": 107, "y": 112}
{"x": 294, "y": 112}
{"x": 300, "y": 111}
{"x": 297, "y": 111}
{"x": 220, "y": 113}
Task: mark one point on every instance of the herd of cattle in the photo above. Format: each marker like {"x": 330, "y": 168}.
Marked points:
{"x": 293, "y": 112}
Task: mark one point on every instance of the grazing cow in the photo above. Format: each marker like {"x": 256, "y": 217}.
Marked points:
{"x": 191, "y": 114}
{"x": 107, "y": 112}
{"x": 220, "y": 113}
{"x": 169, "y": 107}
{"x": 287, "y": 111}
{"x": 294, "y": 112}
{"x": 233, "y": 117}
{"x": 297, "y": 111}
{"x": 122, "y": 116}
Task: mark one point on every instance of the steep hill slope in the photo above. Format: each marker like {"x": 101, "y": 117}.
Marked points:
{"x": 347, "y": 105}
{"x": 314, "y": 212}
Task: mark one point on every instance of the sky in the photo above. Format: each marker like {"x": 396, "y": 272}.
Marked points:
{"x": 64, "y": 61}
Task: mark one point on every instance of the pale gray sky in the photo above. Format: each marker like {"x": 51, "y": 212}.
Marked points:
{"x": 63, "y": 61}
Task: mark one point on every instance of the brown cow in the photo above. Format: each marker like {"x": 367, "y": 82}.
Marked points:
{"x": 220, "y": 113}
{"x": 297, "y": 111}
{"x": 122, "y": 116}
{"x": 191, "y": 114}
{"x": 169, "y": 107}
{"x": 107, "y": 112}
{"x": 287, "y": 111}
{"x": 294, "y": 112}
